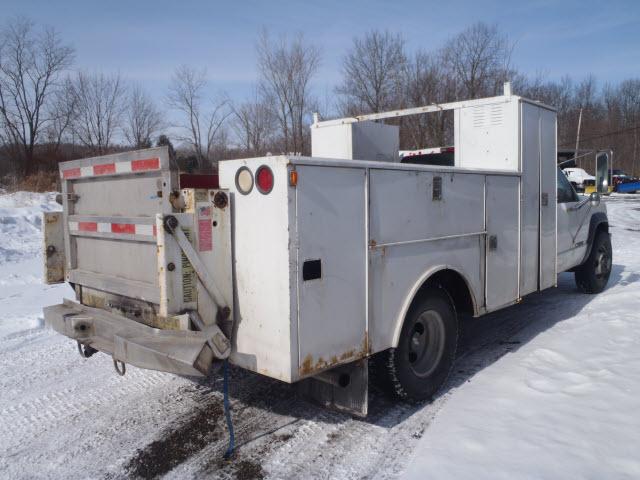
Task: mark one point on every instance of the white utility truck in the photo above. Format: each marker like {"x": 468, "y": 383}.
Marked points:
{"x": 301, "y": 268}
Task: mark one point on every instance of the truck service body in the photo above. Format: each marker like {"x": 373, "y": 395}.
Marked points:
{"x": 300, "y": 268}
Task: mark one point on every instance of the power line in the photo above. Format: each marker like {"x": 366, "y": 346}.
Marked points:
{"x": 607, "y": 134}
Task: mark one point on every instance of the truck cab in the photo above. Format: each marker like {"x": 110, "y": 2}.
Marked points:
{"x": 583, "y": 224}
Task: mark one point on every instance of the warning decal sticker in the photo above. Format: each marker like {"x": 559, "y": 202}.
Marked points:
{"x": 188, "y": 276}
{"x": 205, "y": 234}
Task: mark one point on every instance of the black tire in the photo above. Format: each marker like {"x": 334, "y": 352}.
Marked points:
{"x": 592, "y": 276}
{"x": 421, "y": 363}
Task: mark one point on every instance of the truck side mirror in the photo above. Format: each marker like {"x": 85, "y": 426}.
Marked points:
{"x": 594, "y": 198}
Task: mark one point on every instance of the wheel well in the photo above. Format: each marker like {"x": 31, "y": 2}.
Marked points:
{"x": 456, "y": 287}
{"x": 599, "y": 223}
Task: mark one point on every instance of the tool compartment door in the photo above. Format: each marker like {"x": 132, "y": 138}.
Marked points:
{"x": 548, "y": 199}
{"x": 502, "y": 216}
{"x": 332, "y": 266}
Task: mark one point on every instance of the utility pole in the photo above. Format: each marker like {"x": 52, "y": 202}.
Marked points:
{"x": 575, "y": 155}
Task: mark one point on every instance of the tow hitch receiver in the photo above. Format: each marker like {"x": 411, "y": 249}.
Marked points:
{"x": 184, "y": 352}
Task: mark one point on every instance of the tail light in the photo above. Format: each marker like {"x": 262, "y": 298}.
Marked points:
{"x": 264, "y": 179}
{"x": 244, "y": 180}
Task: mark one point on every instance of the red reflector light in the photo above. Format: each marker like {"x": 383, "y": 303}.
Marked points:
{"x": 264, "y": 179}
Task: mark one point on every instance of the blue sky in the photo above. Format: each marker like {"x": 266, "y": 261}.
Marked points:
{"x": 146, "y": 40}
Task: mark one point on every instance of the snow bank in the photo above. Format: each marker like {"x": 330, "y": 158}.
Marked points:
{"x": 21, "y": 223}
{"x": 22, "y": 293}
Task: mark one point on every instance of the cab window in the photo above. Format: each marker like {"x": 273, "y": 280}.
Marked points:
{"x": 566, "y": 193}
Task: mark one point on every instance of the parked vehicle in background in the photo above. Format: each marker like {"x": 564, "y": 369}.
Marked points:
{"x": 623, "y": 183}
{"x": 579, "y": 178}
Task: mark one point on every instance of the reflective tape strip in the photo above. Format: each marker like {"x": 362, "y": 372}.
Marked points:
{"x": 146, "y": 164}
{"x": 128, "y": 228}
{"x": 118, "y": 228}
{"x": 71, "y": 173}
{"x": 87, "y": 226}
{"x": 123, "y": 167}
{"x": 105, "y": 169}
{"x": 149, "y": 230}
{"x": 142, "y": 165}
{"x": 104, "y": 227}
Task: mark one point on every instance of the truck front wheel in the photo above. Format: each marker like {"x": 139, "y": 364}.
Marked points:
{"x": 421, "y": 362}
{"x": 592, "y": 276}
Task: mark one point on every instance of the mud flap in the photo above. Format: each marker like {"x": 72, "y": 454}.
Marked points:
{"x": 329, "y": 389}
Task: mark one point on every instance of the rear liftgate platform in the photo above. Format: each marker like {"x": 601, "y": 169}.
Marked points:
{"x": 150, "y": 265}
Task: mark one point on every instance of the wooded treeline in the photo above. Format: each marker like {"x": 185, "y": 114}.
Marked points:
{"x": 51, "y": 112}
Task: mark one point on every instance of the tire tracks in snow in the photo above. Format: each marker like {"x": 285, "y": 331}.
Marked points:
{"x": 325, "y": 444}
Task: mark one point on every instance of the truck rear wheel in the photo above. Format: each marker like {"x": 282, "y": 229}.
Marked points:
{"x": 421, "y": 362}
{"x": 592, "y": 276}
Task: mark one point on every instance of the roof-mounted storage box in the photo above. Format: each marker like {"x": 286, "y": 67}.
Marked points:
{"x": 355, "y": 141}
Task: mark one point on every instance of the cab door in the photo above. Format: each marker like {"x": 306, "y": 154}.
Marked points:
{"x": 572, "y": 231}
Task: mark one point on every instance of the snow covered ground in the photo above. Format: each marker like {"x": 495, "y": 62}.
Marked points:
{"x": 565, "y": 404}
{"x": 546, "y": 389}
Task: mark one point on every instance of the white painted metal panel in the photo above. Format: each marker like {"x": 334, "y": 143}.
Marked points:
{"x": 548, "y": 188}
{"x": 502, "y": 241}
{"x": 127, "y": 196}
{"x": 375, "y": 141}
{"x": 486, "y": 135}
{"x": 213, "y": 225}
{"x": 334, "y": 141}
{"x": 530, "y": 215}
{"x": 265, "y": 335}
{"x": 331, "y": 215}
{"x": 397, "y": 272}
{"x": 177, "y": 284}
{"x": 356, "y": 141}
{"x": 102, "y": 187}
{"x": 129, "y": 260}
{"x": 405, "y": 223}
{"x": 405, "y": 209}
{"x": 571, "y": 249}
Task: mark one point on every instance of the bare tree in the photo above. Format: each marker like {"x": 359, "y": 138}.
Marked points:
{"x": 427, "y": 82}
{"x": 629, "y": 95}
{"x": 202, "y": 120}
{"x": 254, "y": 125}
{"x": 62, "y": 113}
{"x": 286, "y": 70}
{"x": 143, "y": 120}
{"x": 31, "y": 64}
{"x": 100, "y": 105}
{"x": 559, "y": 94}
{"x": 479, "y": 59}
{"x": 372, "y": 73}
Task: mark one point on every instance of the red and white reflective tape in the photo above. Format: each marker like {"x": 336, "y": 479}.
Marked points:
{"x": 114, "y": 168}
{"x": 118, "y": 228}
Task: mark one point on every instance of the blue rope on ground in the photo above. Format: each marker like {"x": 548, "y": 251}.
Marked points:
{"x": 227, "y": 411}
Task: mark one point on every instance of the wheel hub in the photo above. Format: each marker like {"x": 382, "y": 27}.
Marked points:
{"x": 426, "y": 343}
{"x": 603, "y": 263}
